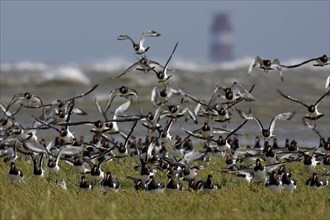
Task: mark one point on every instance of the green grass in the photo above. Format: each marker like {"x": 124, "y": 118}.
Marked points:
{"x": 39, "y": 199}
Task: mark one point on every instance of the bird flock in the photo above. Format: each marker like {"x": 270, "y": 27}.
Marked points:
{"x": 160, "y": 151}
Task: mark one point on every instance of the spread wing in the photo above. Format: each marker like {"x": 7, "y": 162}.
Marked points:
{"x": 166, "y": 64}
{"x": 82, "y": 95}
{"x": 250, "y": 117}
{"x": 291, "y": 98}
{"x": 244, "y": 93}
{"x": 324, "y": 95}
{"x": 254, "y": 62}
{"x": 282, "y": 116}
{"x": 129, "y": 68}
{"x": 148, "y": 34}
{"x": 125, "y": 37}
{"x": 299, "y": 64}
{"x": 327, "y": 82}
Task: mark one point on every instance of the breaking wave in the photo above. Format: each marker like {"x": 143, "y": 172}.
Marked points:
{"x": 83, "y": 73}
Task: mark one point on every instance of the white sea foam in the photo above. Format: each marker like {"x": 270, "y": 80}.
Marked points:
{"x": 66, "y": 74}
{"x": 109, "y": 64}
{"x": 115, "y": 64}
{"x": 38, "y": 72}
{"x": 24, "y": 66}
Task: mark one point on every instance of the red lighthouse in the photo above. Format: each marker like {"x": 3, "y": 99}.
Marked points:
{"x": 221, "y": 47}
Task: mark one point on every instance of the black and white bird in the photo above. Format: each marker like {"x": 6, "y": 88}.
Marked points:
{"x": 78, "y": 164}
{"x": 244, "y": 176}
{"x": 96, "y": 172}
{"x": 195, "y": 185}
{"x": 110, "y": 183}
{"x": 325, "y": 148}
{"x": 206, "y": 131}
{"x": 267, "y": 132}
{"x": 162, "y": 74}
{"x": 161, "y": 96}
{"x": 124, "y": 92}
{"x": 209, "y": 185}
{"x": 15, "y": 173}
{"x": 37, "y": 167}
{"x": 266, "y": 65}
{"x": 288, "y": 183}
{"x": 84, "y": 184}
{"x": 59, "y": 111}
{"x": 173, "y": 185}
{"x": 178, "y": 111}
{"x": 274, "y": 183}
{"x": 27, "y": 99}
{"x": 259, "y": 172}
{"x": 139, "y": 48}
{"x": 310, "y": 161}
{"x": 154, "y": 186}
{"x": 145, "y": 65}
{"x": 234, "y": 94}
{"x": 52, "y": 164}
{"x": 319, "y": 61}
{"x": 223, "y": 144}
{"x": 138, "y": 184}
{"x": 313, "y": 113}
{"x": 316, "y": 182}
{"x": 190, "y": 172}
{"x": 146, "y": 172}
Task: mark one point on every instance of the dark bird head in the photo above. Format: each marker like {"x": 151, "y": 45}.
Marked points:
{"x": 311, "y": 108}
{"x": 222, "y": 111}
{"x": 109, "y": 125}
{"x": 59, "y": 103}
{"x": 63, "y": 132}
{"x": 267, "y": 63}
{"x": 274, "y": 174}
{"x": 266, "y": 132}
{"x": 98, "y": 124}
{"x": 61, "y": 113}
{"x": 83, "y": 178}
{"x": 136, "y": 47}
{"x": 206, "y": 127}
{"x": 123, "y": 89}
{"x": 172, "y": 108}
{"x": 150, "y": 116}
{"x": 109, "y": 175}
{"x": 160, "y": 74}
{"x": 229, "y": 93}
{"x": 163, "y": 93}
{"x": 28, "y": 95}
{"x": 324, "y": 58}
{"x": 162, "y": 134}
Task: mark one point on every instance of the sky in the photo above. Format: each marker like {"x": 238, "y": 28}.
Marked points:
{"x": 84, "y": 31}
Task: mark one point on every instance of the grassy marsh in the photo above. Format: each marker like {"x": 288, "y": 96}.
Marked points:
{"x": 36, "y": 198}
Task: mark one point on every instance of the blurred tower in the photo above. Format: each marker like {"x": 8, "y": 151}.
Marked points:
{"x": 221, "y": 45}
